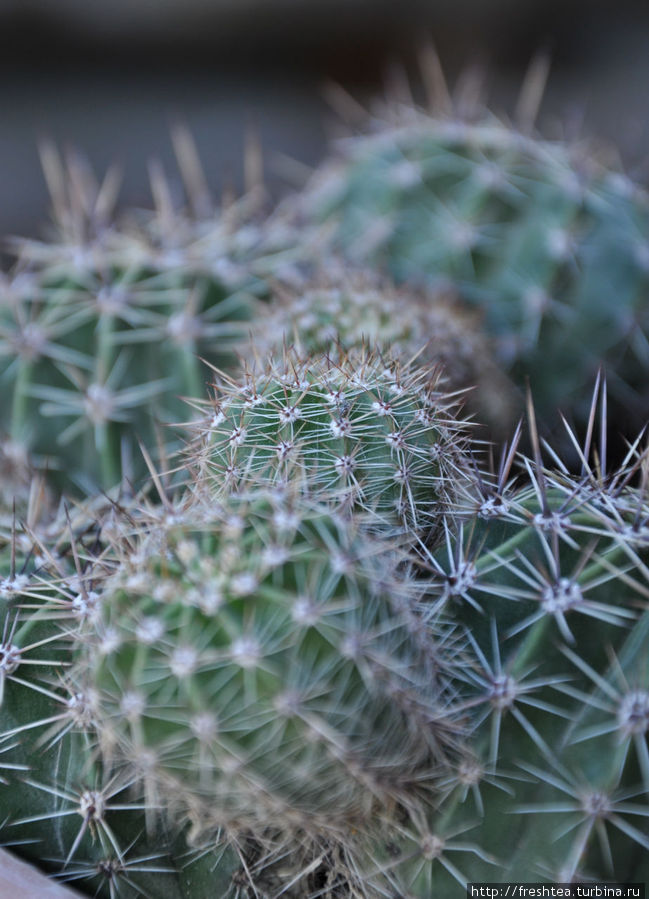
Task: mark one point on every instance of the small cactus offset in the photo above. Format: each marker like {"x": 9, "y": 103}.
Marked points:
{"x": 364, "y": 432}
{"x": 549, "y": 243}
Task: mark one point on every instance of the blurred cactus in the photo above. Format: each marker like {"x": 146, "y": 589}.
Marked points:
{"x": 549, "y": 243}
{"x": 332, "y": 700}
{"x": 101, "y": 328}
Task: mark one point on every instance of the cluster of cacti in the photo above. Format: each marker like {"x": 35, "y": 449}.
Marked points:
{"x": 103, "y": 329}
{"x": 550, "y": 244}
{"x": 329, "y": 656}
{"x": 264, "y": 673}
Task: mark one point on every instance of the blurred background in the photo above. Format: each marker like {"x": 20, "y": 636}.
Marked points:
{"x": 109, "y": 78}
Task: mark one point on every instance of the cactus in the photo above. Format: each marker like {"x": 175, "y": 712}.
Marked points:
{"x": 342, "y": 660}
{"x": 332, "y": 702}
{"x": 547, "y": 241}
{"x": 365, "y": 432}
{"x": 101, "y": 329}
{"x": 336, "y": 309}
{"x": 61, "y": 806}
{"x": 333, "y": 641}
{"x": 549, "y": 582}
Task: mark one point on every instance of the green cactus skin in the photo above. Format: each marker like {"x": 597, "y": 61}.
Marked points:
{"x": 335, "y": 309}
{"x": 101, "y": 329}
{"x": 332, "y": 701}
{"x": 61, "y": 807}
{"x": 551, "y": 245}
{"x": 367, "y": 433}
{"x": 550, "y": 582}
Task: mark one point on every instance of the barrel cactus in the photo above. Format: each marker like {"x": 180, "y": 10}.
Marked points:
{"x": 551, "y": 244}
{"x": 168, "y": 801}
{"x": 549, "y": 582}
{"x": 333, "y": 701}
{"x": 101, "y": 328}
{"x": 367, "y": 433}
{"x": 334, "y": 308}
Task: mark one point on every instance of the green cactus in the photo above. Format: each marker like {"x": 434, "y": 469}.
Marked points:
{"x": 334, "y": 309}
{"x": 60, "y": 806}
{"x": 369, "y": 434}
{"x": 366, "y": 701}
{"x": 101, "y": 329}
{"x": 551, "y": 245}
{"x": 332, "y": 702}
{"x": 549, "y": 581}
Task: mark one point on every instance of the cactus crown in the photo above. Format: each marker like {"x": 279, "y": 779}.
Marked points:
{"x": 335, "y": 308}
{"x": 359, "y": 430}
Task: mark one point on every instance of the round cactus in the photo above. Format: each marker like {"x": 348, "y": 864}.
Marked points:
{"x": 337, "y": 309}
{"x": 549, "y": 582}
{"x": 548, "y": 242}
{"x": 359, "y": 430}
{"x": 101, "y": 329}
{"x": 332, "y": 698}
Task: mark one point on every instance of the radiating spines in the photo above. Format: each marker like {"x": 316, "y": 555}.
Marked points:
{"x": 332, "y": 704}
{"x": 334, "y": 308}
{"x": 360, "y": 431}
{"x": 551, "y": 591}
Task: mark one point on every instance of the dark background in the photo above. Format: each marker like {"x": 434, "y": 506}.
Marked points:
{"x": 110, "y": 77}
